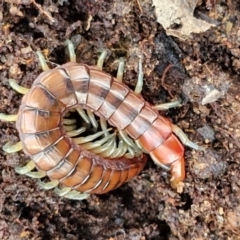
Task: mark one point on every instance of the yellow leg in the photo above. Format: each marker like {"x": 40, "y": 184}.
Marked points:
{"x": 49, "y": 185}
{"x": 168, "y": 105}
{"x": 25, "y": 169}
{"x": 139, "y": 85}
{"x": 67, "y": 192}
{"x": 184, "y": 139}
{"x": 71, "y": 50}
{"x": 17, "y": 87}
{"x": 103, "y": 124}
{"x": 76, "y": 132}
{"x": 69, "y": 128}
{"x": 120, "y": 70}
{"x": 36, "y": 174}
{"x": 9, "y": 148}
{"x": 101, "y": 59}
{"x": 8, "y": 118}
{"x": 99, "y": 143}
{"x": 83, "y": 115}
{"x": 42, "y": 61}
{"x": 92, "y": 119}
{"x": 68, "y": 121}
{"x": 90, "y": 138}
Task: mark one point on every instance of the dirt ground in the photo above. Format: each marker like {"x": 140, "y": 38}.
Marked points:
{"x": 204, "y": 73}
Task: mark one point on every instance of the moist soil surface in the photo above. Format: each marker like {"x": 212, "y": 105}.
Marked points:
{"x": 201, "y": 70}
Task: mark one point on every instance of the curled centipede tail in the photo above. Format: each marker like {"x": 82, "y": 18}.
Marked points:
{"x": 178, "y": 174}
{"x": 169, "y": 156}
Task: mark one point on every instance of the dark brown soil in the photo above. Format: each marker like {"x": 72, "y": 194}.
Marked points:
{"x": 146, "y": 207}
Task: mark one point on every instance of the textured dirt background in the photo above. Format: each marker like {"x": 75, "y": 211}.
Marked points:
{"x": 146, "y": 207}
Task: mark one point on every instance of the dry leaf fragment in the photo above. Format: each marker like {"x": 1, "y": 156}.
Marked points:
{"x": 179, "y": 12}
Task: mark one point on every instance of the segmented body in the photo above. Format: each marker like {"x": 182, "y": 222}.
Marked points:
{"x": 43, "y": 137}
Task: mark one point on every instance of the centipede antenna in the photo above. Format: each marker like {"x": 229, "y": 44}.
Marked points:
{"x": 9, "y": 148}
{"x": 17, "y": 87}
{"x": 8, "y": 118}
{"x": 102, "y": 59}
{"x": 42, "y": 61}
{"x": 120, "y": 69}
{"x": 71, "y": 50}
{"x": 139, "y": 85}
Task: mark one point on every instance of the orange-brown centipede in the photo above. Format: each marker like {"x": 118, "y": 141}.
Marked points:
{"x": 80, "y": 168}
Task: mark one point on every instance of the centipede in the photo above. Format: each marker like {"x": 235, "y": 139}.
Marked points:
{"x": 125, "y": 130}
